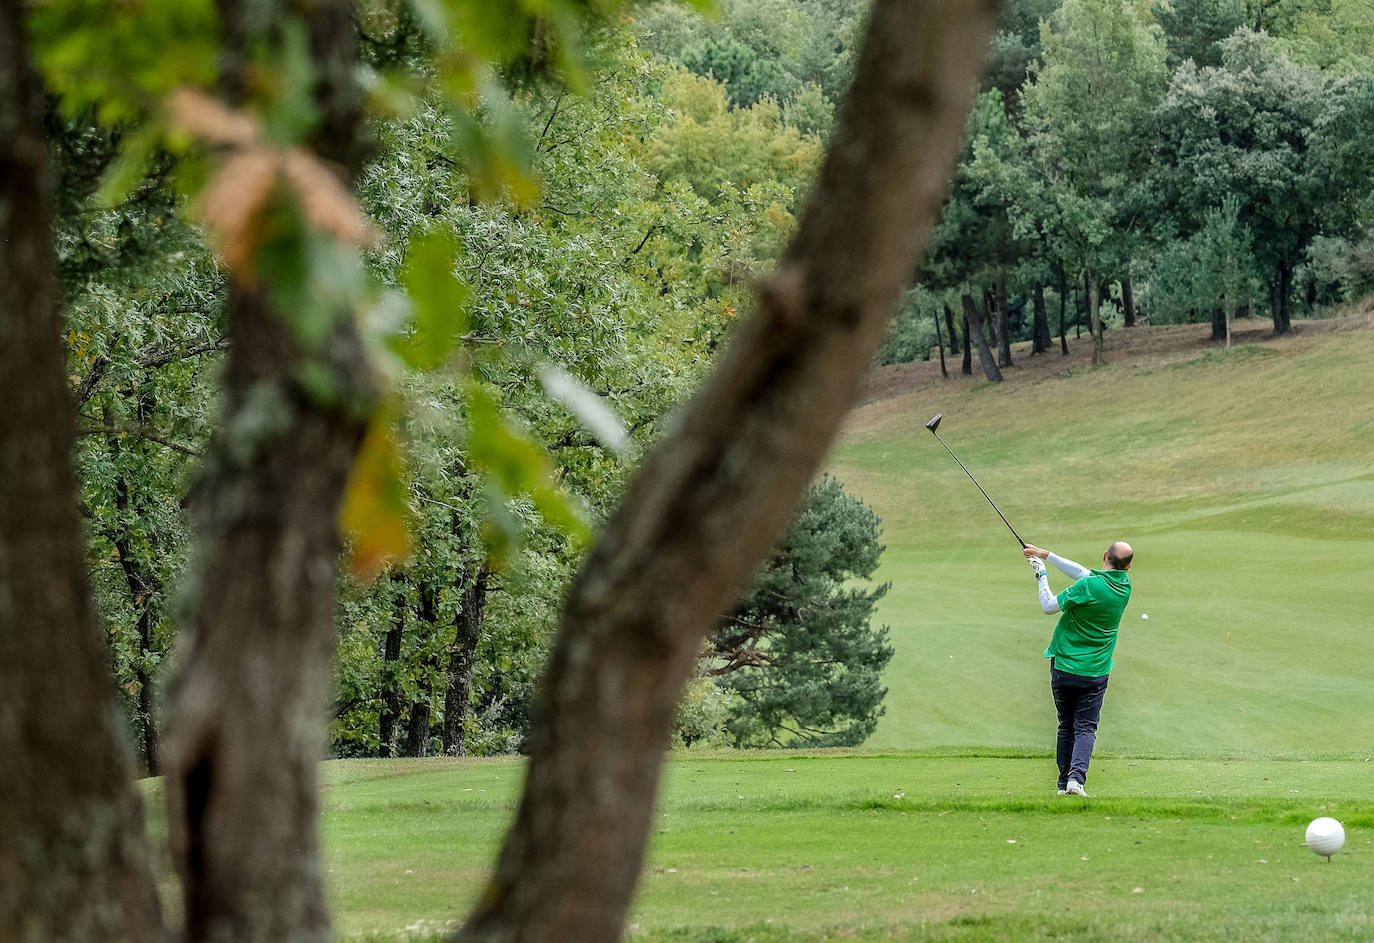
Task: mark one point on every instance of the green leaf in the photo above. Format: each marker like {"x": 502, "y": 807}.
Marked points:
{"x": 438, "y": 299}
{"x": 129, "y": 169}
{"x": 514, "y": 466}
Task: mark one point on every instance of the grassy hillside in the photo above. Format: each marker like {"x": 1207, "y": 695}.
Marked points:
{"x": 1245, "y": 481}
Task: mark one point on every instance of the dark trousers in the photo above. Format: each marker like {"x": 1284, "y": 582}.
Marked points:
{"x": 1078, "y": 701}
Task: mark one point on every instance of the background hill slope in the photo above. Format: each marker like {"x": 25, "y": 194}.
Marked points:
{"x": 1245, "y": 480}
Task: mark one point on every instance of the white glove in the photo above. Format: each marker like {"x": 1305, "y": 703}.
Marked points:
{"x": 1037, "y": 567}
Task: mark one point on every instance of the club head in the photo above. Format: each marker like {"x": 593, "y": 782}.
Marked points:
{"x": 934, "y": 423}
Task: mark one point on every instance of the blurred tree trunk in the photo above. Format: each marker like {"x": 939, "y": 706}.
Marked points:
{"x": 248, "y": 706}
{"x": 974, "y": 319}
{"x": 1128, "y": 302}
{"x": 716, "y": 492}
{"x": 462, "y": 659}
{"x": 73, "y": 859}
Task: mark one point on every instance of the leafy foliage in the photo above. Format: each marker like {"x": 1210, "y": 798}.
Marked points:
{"x": 799, "y": 656}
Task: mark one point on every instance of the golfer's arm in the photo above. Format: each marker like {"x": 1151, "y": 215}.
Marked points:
{"x": 1048, "y": 603}
{"x": 1070, "y": 569}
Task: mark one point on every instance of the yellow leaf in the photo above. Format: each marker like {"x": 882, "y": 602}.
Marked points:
{"x": 375, "y": 515}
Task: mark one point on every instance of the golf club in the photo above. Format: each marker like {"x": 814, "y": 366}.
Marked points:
{"x": 932, "y": 425}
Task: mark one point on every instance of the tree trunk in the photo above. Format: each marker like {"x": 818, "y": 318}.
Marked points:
{"x": 1218, "y": 324}
{"x": 246, "y": 727}
{"x": 712, "y": 497}
{"x": 989, "y": 316}
{"x": 418, "y": 719}
{"x": 462, "y": 658}
{"x": 1279, "y": 291}
{"x": 1095, "y": 319}
{"x": 1286, "y": 295}
{"x": 73, "y": 859}
{"x": 949, "y": 325}
{"x": 144, "y": 591}
{"x": 1063, "y": 303}
{"x": 975, "y": 323}
{"x": 1003, "y": 324}
{"x": 1041, "y": 339}
{"x": 966, "y": 368}
{"x": 1128, "y": 302}
{"x": 939, "y": 344}
{"x": 1080, "y": 301}
{"x": 391, "y": 675}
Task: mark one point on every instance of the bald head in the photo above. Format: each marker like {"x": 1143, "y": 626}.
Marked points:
{"x": 1119, "y": 555}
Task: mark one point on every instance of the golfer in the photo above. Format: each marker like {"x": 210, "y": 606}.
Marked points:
{"x": 1080, "y": 651}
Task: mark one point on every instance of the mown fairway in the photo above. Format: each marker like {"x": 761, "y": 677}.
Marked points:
{"x": 938, "y": 846}
{"x": 1245, "y": 481}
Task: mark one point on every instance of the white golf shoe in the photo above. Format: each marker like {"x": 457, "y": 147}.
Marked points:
{"x": 1075, "y": 788}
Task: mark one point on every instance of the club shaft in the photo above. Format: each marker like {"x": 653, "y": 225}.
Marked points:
{"x": 980, "y": 488}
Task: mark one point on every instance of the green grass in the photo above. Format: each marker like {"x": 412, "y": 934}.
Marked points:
{"x": 1238, "y": 712}
{"x": 938, "y": 845}
{"x": 1245, "y": 481}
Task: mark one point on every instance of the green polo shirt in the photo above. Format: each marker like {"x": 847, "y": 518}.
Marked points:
{"x": 1086, "y": 633}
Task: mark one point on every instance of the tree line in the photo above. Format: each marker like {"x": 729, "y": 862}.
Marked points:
{"x": 1169, "y": 161}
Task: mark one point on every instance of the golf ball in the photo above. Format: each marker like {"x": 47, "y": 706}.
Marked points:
{"x": 1325, "y": 836}
{"x": 1144, "y": 615}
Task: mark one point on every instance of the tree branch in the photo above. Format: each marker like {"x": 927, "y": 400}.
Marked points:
{"x": 711, "y": 499}
{"x": 140, "y": 432}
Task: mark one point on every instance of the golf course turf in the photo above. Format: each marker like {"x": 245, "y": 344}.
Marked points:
{"x": 1239, "y": 711}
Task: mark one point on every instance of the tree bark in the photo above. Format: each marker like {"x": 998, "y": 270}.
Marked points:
{"x": 73, "y": 859}
{"x": 966, "y": 368}
{"x": 716, "y": 492}
{"x": 391, "y": 681}
{"x": 989, "y": 317}
{"x": 1063, "y": 303}
{"x": 418, "y": 719}
{"x": 462, "y": 658}
{"x": 949, "y": 325}
{"x": 1041, "y": 339}
{"x": 1128, "y": 302}
{"x": 420, "y": 713}
{"x": 1094, "y": 288}
{"x": 974, "y": 319}
{"x": 939, "y": 343}
{"x": 248, "y": 711}
{"x": 1218, "y": 324}
{"x": 1003, "y": 324}
{"x": 1280, "y": 291}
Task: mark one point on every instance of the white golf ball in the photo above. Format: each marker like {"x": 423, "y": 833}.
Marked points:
{"x": 1144, "y": 615}
{"x": 1325, "y": 836}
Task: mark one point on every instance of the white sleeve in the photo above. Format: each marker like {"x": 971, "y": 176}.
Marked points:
{"x": 1070, "y": 569}
{"x": 1048, "y": 603}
